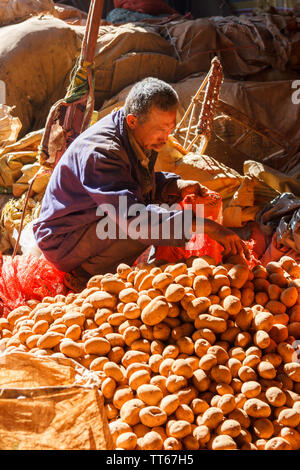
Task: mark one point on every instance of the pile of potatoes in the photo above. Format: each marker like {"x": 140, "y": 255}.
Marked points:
{"x": 190, "y": 355}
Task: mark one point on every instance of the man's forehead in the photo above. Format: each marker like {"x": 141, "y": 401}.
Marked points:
{"x": 155, "y": 112}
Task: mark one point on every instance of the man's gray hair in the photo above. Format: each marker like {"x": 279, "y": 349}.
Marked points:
{"x": 147, "y": 93}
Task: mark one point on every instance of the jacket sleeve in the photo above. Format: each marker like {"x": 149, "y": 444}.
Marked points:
{"x": 162, "y": 179}
{"x": 118, "y": 197}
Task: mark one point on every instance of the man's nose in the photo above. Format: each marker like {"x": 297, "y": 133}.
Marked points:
{"x": 165, "y": 135}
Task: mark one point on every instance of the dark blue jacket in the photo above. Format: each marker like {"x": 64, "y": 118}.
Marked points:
{"x": 97, "y": 168}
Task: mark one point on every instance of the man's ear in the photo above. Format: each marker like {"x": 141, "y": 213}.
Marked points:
{"x": 131, "y": 120}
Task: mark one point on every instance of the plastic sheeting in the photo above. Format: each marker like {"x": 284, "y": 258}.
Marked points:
{"x": 50, "y": 404}
{"x": 282, "y": 217}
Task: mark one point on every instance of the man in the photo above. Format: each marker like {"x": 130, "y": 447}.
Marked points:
{"x": 110, "y": 163}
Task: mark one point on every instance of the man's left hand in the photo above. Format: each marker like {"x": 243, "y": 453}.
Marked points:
{"x": 186, "y": 187}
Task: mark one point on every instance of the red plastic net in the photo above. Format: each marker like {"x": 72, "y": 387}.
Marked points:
{"x": 199, "y": 244}
{"x": 253, "y": 259}
{"x": 27, "y": 277}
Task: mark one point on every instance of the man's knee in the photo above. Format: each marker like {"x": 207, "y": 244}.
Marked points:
{"x": 120, "y": 251}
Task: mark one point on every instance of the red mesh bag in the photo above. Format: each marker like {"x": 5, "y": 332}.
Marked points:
{"x": 26, "y": 277}
{"x": 199, "y": 244}
{"x": 253, "y": 257}
{"x": 154, "y": 7}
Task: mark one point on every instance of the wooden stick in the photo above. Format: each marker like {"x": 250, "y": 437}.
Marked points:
{"x": 184, "y": 129}
{"x": 195, "y": 98}
{"x": 91, "y": 31}
{"x": 242, "y": 138}
{"x": 203, "y": 144}
{"x": 189, "y": 126}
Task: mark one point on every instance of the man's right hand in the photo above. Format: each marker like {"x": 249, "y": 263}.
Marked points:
{"x": 231, "y": 242}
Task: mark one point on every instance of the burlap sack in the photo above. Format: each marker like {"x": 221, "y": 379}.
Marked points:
{"x": 36, "y": 58}
{"x": 245, "y": 45}
{"x": 70, "y": 14}
{"x": 10, "y": 126}
{"x": 253, "y": 100}
{"x": 242, "y": 207}
{"x": 130, "y": 52}
{"x": 126, "y": 54}
{"x": 203, "y": 168}
{"x": 50, "y": 404}
{"x": 177, "y": 49}
{"x": 13, "y": 161}
{"x": 275, "y": 180}
{"x": 12, "y": 11}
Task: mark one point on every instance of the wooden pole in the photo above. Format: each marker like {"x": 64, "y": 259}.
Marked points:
{"x": 91, "y": 31}
{"x": 88, "y": 49}
{"x": 192, "y": 103}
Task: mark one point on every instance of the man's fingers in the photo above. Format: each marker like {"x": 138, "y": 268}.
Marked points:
{"x": 232, "y": 243}
{"x": 192, "y": 187}
{"x": 186, "y": 191}
{"x": 234, "y": 249}
{"x": 240, "y": 247}
{"x": 247, "y": 252}
{"x": 244, "y": 249}
{"x": 226, "y": 249}
{"x": 203, "y": 190}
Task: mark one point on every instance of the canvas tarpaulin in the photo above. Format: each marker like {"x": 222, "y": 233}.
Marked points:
{"x": 127, "y": 53}
{"x": 269, "y": 104}
{"x": 36, "y": 58}
{"x": 50, "y": 404}
{"x": 176, "y": 49}
{"x": 12, "y": 11}
{"x": 70, "y": 14}
{"x": 244, "y": 45}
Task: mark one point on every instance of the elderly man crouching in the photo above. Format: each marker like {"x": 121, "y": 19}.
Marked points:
{"x": 87, "y": 220}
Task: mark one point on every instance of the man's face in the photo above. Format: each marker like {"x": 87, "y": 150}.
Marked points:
{"x": 153, "y": 133}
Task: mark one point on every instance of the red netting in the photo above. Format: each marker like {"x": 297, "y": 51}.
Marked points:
{"x": 199, "y": 244}
{"x": 27, "y": 277}
{"x": 253, "y": 260}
